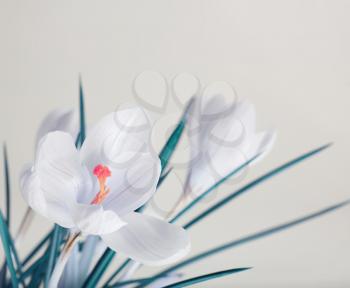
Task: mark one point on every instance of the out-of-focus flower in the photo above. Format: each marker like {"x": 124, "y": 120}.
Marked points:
{"x": 65, "y": 120}
{"x": 222, "y": 137}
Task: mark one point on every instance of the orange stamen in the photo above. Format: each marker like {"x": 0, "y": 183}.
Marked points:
{"x": 102, "y": 173}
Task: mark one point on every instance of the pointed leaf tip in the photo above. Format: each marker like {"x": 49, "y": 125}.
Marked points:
{"x": 7, "y": 184}
{"x": 206, "y": 277}
{"x": 82, "y": 132}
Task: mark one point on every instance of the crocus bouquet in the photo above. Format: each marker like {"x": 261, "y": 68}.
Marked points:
{"x": 95, "y": 185}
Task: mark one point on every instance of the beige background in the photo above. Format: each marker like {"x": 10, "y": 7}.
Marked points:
{"x": 291, "y": 58}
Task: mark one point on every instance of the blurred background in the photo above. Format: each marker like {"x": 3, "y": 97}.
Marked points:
{"x": 290, "y": 58}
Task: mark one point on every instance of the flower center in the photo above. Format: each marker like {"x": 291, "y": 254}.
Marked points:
{"x": 102, "y": 173}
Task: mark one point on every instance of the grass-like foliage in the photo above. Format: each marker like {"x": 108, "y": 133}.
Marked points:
{"x": 36, "y": 268}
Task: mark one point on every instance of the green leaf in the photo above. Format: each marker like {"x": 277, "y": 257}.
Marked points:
{"x": 99, "y": 269}
{"x": 37, "y": 265}
{"x": 206, "y": 277}
{"x": 187, "y": 282}
{"x": 254, "y": 183}
{"x": 247, "y": 239}
{"x": 127, "y": 282}
{"x": 163, "y": 177}
{"x": 53, "y": 251}
{"x": 7, "y": 186}
{"x": 212, "y": 188}
{"x": 82, "y": 113}
{"x": 116, "y": 273}
{"x": 77, "y": 141}
{"x": 36, "y": 277}
{"x": 6, "y": 243}
{"x": 174, "y": 138}
{"x": 37, "y": 248}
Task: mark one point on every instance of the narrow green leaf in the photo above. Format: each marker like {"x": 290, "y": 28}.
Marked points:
{"x": 116, "y": 273}
{"x": 247, "y": 239}
{"x": 13, "y": 253}
{"x": 127, "y": 282}
{"x": 53, "y": 250}
{"x": 37, "y": 248}
{"x": 36, "y": 277}
{"x": 174, "y": 138}
{"x": 211, "y": 189}
{"x": 38, "y": 264}
{"x": 82, "y": 113}
{"x": 254, "y": 183}
{"x": 163, "y": 177}
{"x": 99, "y": 269}
{"x": 77, "y": 141}
{"x": 7, "y": 186}
{"x": 5, "y": 238}
{"x": 206, "y": 277}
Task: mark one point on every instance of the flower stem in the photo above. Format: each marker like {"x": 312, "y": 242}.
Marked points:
{"x": 23, "y": 227}
{"x": 62, "y": 260}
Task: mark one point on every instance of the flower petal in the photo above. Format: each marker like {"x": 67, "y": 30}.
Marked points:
{"x": 117, "y": 138}
{"x": 57, "y": 164}
{"x": 149, "y": 240}
{"x": 59, "y": 120}
{"x": 93, "y": 219}
{"x": 132, "y": 185}
{"x": 35, "y": 197}
{"x": 223, "y": 144}
{"x": 262, "y": 144}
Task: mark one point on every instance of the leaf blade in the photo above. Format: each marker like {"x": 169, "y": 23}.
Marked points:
{"x": 171, "y": 144}
{"x": 252, "y": 237}
{"x": 99, "y": 269}
{"x": 4, "y": 234}
{"x": 206, "y": 277}
{"x": 82, "y": 132}
{"x": 7, "y": 185}
{"x": 212, "y": 188}
{"x": 254, "y": 183}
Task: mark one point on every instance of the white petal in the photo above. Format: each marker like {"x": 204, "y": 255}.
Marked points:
{"x": 57, "y": 164}
{"x": 262, "y": 144}
{"x": 244, "y": 111}
{"x": 223, "y": 144}
{"x": 117, "y": 138}
{"x": 35, "y": 197}
{"x": 210, "y": 169}
{"x": 57, "y": 180}
{"x": 149, "y": 240}
{"x": 220, "y": 160}
{"x": 59, "y": 120}
{"x": 132, "y": 185}
{"x": 93, "y": 219}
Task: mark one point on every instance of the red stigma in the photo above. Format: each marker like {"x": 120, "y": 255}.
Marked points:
{"x": 102, "y": 172}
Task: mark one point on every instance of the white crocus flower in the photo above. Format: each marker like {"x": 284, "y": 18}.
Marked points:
{"x": 97, "y": 189}
{"x": 222, "y": 137}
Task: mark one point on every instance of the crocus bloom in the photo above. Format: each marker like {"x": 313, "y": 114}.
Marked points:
{"x": 222, "y": 138}
{"x": 97, "y": 189}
